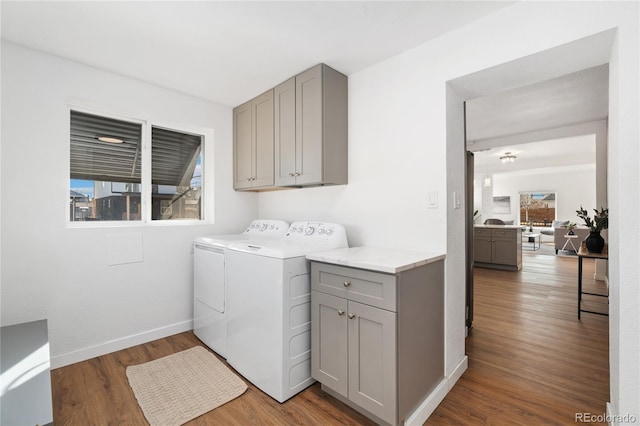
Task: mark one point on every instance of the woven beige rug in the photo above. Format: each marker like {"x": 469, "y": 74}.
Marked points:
{"x": 180, "y": 387}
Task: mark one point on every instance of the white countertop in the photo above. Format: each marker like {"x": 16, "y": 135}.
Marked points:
{"x": 500, "y": 226}
{"x": 376, "y": 259}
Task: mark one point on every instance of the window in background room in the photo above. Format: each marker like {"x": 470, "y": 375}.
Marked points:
{"x": 109, "y": 159}
{"x": 537, "y": 208}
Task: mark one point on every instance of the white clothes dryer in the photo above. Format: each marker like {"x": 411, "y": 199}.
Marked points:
{"x": 269, "y": 297}
{"x": 209, "y": 280}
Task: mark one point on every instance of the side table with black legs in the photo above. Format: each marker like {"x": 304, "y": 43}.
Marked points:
{"x": 584, "y": 253}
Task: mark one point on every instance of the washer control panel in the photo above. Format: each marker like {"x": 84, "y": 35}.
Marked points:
{"x": 267, "y": 227}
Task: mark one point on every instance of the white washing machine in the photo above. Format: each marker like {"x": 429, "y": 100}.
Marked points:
{"x": 209, "y": 280}
{"x": 269, "y": 298}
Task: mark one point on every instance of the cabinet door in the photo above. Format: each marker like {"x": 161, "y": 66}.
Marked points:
{"x": 482, "y": 249}
{"x": 284, "y": 97}
{"x": 309, "y": 126}
{"x": 329, "y": 341}
{"x": 372, "y": 360}
{"x": 262, "y": 116}
{"x": 242, "y": 146}
{"x": 505, "y": 251}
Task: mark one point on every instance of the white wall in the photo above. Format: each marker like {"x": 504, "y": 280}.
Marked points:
{"x": 574, "y": 187}
{"x": 403, "y": 145}
{"x": 401, "y": 148}
{"x": 59, "y": 273}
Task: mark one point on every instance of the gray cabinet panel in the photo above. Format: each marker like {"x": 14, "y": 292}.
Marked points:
{"x": 482, "y": 249}
{"x": 309, "y": 126}
{"x": 263, "y": 127}
{"x": 242, "y": 146}
{"x": 372, "y": 353}
{"x": 394, "y": 357}
{"x": 285, "y": 132}
{"x": 497, "y": 248}
{"x": 373, "y": 288}
{"x": 253, "y": 161}
{"x": 329, "y": 341}
{"x": 504, "y": 251}
{"x": 294, "y": 134}
{"x": 311, "y": 136}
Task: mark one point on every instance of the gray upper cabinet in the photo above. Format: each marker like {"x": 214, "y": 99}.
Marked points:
{"x": 311, "y": 129}
{"x": 253, "y": 133}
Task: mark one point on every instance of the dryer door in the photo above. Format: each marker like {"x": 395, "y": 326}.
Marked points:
{"x": 209, "y": 276}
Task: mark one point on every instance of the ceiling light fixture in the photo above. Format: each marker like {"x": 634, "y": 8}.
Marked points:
{"x": 109, "y": 139}
{"x": 508, "y": 158}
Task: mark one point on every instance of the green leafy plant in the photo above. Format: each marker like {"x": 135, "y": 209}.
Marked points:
{"x": 600, "y": 219}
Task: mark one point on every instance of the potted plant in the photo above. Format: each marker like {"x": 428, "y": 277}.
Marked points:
{"x": 595, "y": 242}
{"x": 571, "y": 226}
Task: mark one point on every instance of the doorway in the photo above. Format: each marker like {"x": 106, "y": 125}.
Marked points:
{"x": 489, "y": 82}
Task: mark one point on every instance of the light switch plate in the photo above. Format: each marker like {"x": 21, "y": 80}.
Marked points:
{"x": 432, "y": 200}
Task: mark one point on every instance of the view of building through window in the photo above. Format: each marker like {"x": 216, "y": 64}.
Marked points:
{"x": 105, "y": 173}
{"x": 537, "y": 208}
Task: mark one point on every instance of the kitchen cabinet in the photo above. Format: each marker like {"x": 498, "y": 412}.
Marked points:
{"x": 377, "y": 338}
{"x": 497, "y": 247}
{"x": 253, "y": 139}
{"x": 310, "y": 112}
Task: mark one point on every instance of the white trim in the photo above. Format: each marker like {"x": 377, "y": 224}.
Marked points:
{"x": 120, "y": 343}
{"x": 609, "y": 414}
{"x": 430, "y": 403}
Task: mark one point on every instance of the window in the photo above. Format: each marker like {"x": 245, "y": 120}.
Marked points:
{"x": 537, "y": 208}
{"x": 109, "y": 163}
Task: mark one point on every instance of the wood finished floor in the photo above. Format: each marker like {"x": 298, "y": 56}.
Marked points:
{"x": 531, "y": 362}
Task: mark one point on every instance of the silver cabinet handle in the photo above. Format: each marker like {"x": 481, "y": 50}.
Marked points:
{"x": 291, "y": 174}
{"x": 296, "y": 174}
{"x": 340, "y": 312}
{"x": 346, "y": 283}
{"x": 352, "y": 316}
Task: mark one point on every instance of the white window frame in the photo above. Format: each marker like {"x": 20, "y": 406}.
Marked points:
{"x": 206, "y": 204}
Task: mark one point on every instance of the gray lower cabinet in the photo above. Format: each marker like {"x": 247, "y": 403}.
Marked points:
{"x": 253, "y": 143}
{"x": 499, "y": 248}
{"x": 377, "y": 339}
{"x": 311, "y": 128}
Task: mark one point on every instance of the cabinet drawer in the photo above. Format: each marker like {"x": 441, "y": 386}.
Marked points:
{"x": 368, "y": 287}
{"x": 504, "y": 234}
{"x": 482, "y": 233}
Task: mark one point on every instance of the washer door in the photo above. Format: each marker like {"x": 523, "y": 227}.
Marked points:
{"x": 208, "y": 277}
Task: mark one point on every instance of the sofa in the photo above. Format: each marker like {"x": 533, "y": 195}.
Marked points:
{"x": 560, "y": 240}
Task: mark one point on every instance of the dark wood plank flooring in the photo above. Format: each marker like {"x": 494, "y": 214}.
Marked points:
{"x": 530, "y": 362}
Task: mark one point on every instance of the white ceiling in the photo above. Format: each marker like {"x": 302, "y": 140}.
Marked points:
{"x": 536, "y": 157}
{"x": 230, "y": 51}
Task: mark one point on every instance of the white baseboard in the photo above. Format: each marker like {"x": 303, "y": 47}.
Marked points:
{"x": 430, "y": 404}
{"x": 84, "y": 354}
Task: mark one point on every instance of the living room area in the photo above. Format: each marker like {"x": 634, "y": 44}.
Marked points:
{"x": 539, "y": 191}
